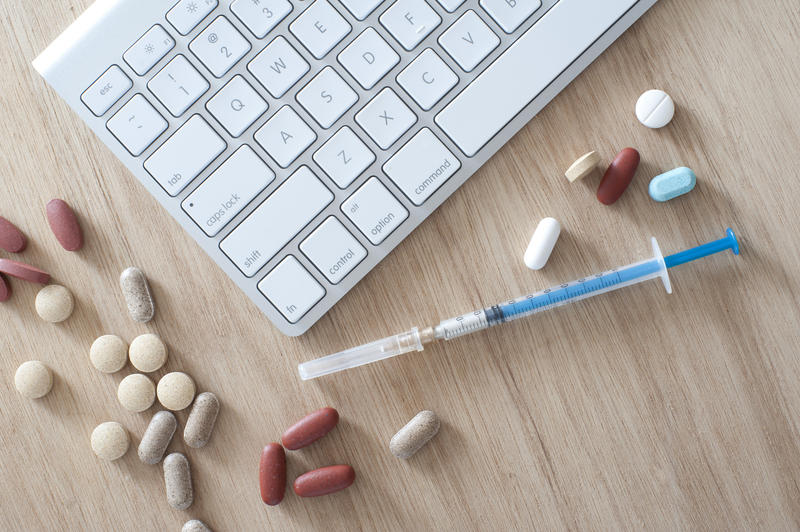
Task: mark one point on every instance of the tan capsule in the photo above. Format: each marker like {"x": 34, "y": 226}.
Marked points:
{"x": 201, "y": 420}
{"x": 157, "y": 437}
{"x": 136, "y": 290}
{"x": 415, "y": 434}
{"x": 178, "y": 481}
{"x": 195, "y": 525}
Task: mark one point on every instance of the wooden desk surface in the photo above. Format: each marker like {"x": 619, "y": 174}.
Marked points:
{"x": 632, "y": 410}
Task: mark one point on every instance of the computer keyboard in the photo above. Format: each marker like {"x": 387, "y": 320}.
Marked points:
{"x": 299, "y": 142}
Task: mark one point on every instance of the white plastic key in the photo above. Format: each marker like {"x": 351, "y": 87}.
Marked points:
{"x": 344, "y": 157}
{"x": 421, "y": 166}
{"x": 187, "y": 14}
{"x": 236, "y": 106}
{"x": 260, "y": 16}
{"x": 327, "y": 97}
{"x": 450, "y": 5}
{"x": 149, "y": 50}
{"x": 361, "y": 8}
{"x": 291, "y": 289}
{"x": 276, "y": 221}
{"x": 386, "y": 118}
{"x": 219, "y": 46}
{"x": 368, "y": 58}
{"x": 510, "y": 14}
{"x": 178, "y": 85}
{"x": 228, "y": 190}
{"x": 285, "y": 136}
{"x": 469, "y": 40}
{"x": 278, "y": 67}
{"x": 137, "y": 125}
{"x": 491, "y": 101}
{"x": 427, "y": 79}
{"x": 184, "y": 155}
{"x": 410, "y": 21}
{"x": 374, "y": 210}
{"x": 333, "y": 250}
{"x": 106, "y": 90}
{"x": 320, "y": 28}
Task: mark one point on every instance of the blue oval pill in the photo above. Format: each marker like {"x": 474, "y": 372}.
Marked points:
{"x": 672, "y": 184}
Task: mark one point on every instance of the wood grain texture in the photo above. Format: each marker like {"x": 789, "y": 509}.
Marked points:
{"x": 632, "y": 410}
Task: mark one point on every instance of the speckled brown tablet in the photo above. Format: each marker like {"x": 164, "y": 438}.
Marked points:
{"x": 157, "y": 436}
{"x": 415, "y": 434}
{"x": 311, "y": 428}
{"x": 136, "y": 290}
{"x": 23, "y": 271}
{"x": 11, "y": 238}
{"x": 324, "y": 480}
{"x": 5, "y": 289}
{"x": 178, "y": 481}
{"x": 64, "y": 225}
{"x": 195, "y": 525}
{"x": 201, "y": 420}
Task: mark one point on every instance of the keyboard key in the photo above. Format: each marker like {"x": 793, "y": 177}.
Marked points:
{"x": 344, "y": 157}
{"x": 320, "y": 28}
{"x": 228, "y": 190}
{"x": 421, "y": 166}
{"x": 327, "y": 97}
{"x": 278, "y": 67}
{"x": 291, "y": 289}
{"x": 333, "y": 250}
{"x": 469, "y": 40}
{"x": 178, "y": 85}
{"x": 523, "y": 71}
{"x": 260, "y": 16}
{"x": 427, "y": 79}
{"x": 368, "y": 58}
{"x": 276, "y": 221}
{"x": 386, "y": 118}
{"x": 137, "y": 124}
{"x": 185, "y": 155}
{"x": 187, "y": 14}
{"x": 450, "y": 5}
{"x": 410, "y": 21}
{"x": 219, "y": 46}
{"x": 236, "y": 106}
{"x": 149, "y": 50}
{"x": 361, "y": 8}
{"x": 106, "y": 91}
{"x": 374, "y": 211}
{"x": 510, "y": 14}
{"x": 285, "y": 136}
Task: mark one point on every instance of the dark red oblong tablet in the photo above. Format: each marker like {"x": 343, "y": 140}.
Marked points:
{"x": 65, "y": 225}
{"x": 23, "y": 271}
{"x": 311, "y": 428}
{"x": 618, "y": 176}
{"x": 11, "y": 238}
{"x": 5, "y": 290}
{"x": 324, "y": 480}
{"x": 272, "y": 474}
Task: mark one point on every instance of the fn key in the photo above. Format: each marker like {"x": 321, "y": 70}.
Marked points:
{"x": 291, "y": 289}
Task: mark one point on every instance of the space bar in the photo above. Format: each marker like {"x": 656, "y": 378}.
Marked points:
{"x": 526, "y": 69}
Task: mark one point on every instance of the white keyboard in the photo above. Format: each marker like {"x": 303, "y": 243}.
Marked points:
{"x": 299, "y": 142}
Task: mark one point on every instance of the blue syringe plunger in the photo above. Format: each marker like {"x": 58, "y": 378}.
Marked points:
{"x": 704, "y": 250}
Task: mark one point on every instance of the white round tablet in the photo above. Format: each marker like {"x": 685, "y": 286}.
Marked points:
{"x": 54, "y": 303}
{"x": 655, "y": 109}
{"x": 176, "y": 390}
{"x": 136, "y": 392}
{"x": 33, "y": 379}
{"x": 148, "y": 353}
{"x": 110, "y": 440}
{"x": 109, "y": 353}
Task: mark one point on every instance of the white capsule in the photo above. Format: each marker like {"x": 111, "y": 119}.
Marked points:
{"x": 542, "y": 243}
{"x": 655, "y": 109}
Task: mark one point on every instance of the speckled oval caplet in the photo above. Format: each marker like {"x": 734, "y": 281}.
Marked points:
{"x": 415, "y": 434}
{"x": 156, "y": 438}
{"x": 136, "y": 290}
{"x": 65, "y": 225}
{"x": 195, "y": 525}
{"x": 201, "y": 420}
{"x": 11, "y": 238}
{"x": 178, "y": 481}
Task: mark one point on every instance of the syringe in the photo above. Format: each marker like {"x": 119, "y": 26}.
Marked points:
{"x": 607, "y": 281}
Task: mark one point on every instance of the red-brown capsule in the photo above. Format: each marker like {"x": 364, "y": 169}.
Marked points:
{"x": 324, "y": 480}
{"x": 65, "y": 225}
{"x": 23, "y": 271}
{"x": 5, "y": 290}
{"x": 618, "y": 176}
{"x": 311, "y": 428}
{"x": 11, "y": 238}
{"x": 272, "y": 474}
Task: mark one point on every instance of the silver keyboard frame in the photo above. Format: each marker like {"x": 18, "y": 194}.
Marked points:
{"x": 108, "y": 28}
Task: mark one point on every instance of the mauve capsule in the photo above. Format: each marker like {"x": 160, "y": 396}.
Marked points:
{"x": 11, "y": 238}
{"x": 324, "y": 480}
{"x": 5, "y": 290}
{"x": 65, "y": 225}
{"x": 311, "y": 428}
{"x": 23, "y": 271}
{"x": 272, "y": 474}
{"x": 618, "y": 176}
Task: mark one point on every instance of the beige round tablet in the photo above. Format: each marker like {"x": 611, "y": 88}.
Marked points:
{"x": 136, "y": 392}
{"x": 148, "y": 353}
{"x": 110, "y": 440}
{"x": 54, "y": 303}
{"x": 109, "y": 353}
{"x": 33, "y": 379}
{"x": 176, "y": 390}
{"x": 583, "y": 166}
